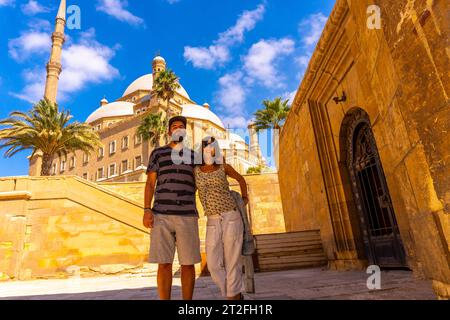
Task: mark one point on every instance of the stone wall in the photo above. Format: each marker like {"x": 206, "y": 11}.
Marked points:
{"x": 50, "y": 225}
{"x": 265, "y": 209}
{"x": 398, "y": 76}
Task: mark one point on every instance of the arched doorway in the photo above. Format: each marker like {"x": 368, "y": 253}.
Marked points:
{"x": 382, "y": 243}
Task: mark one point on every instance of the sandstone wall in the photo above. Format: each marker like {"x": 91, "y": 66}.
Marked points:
{"x": 48, "y": 225}
{"x": 265, "y": 209}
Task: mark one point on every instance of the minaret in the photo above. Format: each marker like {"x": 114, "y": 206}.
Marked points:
{"x": 158, "y": 65}
{"x": 254, "y": 147}
{"x": 54, "y": 64}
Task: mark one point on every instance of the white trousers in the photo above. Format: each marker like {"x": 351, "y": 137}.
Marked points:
{"x": 224, "y": 237}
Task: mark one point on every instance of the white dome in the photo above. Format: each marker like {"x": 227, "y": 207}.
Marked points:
{"x": 145, "y": 82}
{"x": 159, "y": 58}
{"x": 198, "y": 112}
{"x": 236, "y": 138}
{"x": 113, "y": 109}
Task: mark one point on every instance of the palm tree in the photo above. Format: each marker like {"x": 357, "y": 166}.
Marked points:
{"x": 166, "y": 84}
{"x": 46, "y": 129}
{"x": 152, "y": 127}
{"x": 272, "y": 116}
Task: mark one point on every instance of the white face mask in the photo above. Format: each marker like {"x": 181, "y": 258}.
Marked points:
{"x": 178, "y": 135}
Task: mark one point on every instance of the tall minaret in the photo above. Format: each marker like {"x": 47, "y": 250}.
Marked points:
{"x": 158, "y": 65}
{"x": 54, "y": 64}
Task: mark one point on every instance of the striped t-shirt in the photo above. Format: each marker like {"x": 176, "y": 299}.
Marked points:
{"x": 175, "y": 188}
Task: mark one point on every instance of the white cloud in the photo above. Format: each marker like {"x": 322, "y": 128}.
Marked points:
{"x": 84, "y": 63}
{"x": 261, "y": 61}
{"x": 310, "y": 30}
{"x": 219, "y": 52}
{"x": 4, "y": 3}
{"x": 289, "y": 95}
{"x": 30, "y": 42}
{"x": 231, "y": 98}
{"x": 33, "y": 7}
{"x": 116, "y": 9}
{"x": 35, "y": 41}
{"x": 231, "y": 94}
{"x": 235, "y": 122}
{"x": 206, "y": 58}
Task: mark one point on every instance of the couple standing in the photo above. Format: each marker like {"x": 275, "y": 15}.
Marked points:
{"x": 174, "y": 217}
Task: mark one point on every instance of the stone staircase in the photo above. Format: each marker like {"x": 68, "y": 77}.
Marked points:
{"x": 291, "y": 250}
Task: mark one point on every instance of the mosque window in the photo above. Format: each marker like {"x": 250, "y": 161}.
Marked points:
{"x": 124, "y": 165}
{"x": 85, "y": 158}
{"x": 72, "y": 163}
{"x": 125, "y": 142}
{"x": 137, "y": 139}
{"x": 100, "y": 173}
{"x": 54, "y": 169}
{"x": 63, "y": 165}
{"x": 112, "y": 170}
{"x": 112, "y": 147}
{"x": 85, "y": 176}
{"x": 137, "y": 162}
{"x": 101, "y": 152}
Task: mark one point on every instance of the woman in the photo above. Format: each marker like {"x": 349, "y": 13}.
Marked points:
{"x": 224, "y": 231}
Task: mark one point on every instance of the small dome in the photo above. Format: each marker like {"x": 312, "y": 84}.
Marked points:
{"x": 145, "y": 82}
{"x": 114, "y": 109}
{"x": 159, "y": 58}
{"x": 236, "y": 138}
{"x": 198, "y": 112}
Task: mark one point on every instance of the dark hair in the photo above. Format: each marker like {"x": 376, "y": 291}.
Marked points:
{"x": 178, "y": 118}
{"x": 210, "y": 140}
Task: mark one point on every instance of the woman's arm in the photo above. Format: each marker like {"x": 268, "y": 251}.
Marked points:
{"x": 229, "y": 170}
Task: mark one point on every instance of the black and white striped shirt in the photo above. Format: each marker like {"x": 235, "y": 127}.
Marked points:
{"x": 175, "y": 188}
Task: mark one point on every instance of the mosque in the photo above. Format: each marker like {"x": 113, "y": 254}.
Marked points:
{"x": 123, "y": 155}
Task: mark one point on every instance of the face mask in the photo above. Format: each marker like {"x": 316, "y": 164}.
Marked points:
{"x": 178, "y": 135}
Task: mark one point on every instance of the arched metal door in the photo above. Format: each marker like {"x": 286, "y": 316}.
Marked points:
{"x": 381, "y": 235}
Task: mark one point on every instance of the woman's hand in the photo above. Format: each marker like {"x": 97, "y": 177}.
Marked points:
{"x": 147, "y": 220}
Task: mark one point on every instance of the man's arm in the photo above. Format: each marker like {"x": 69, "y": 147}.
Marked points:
{"x": 148, "y": 197}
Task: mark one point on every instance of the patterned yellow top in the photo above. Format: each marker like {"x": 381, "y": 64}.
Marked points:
{"x": 214, "y": 191}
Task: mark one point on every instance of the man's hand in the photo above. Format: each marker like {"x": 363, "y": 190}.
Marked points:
{"x": 148, "y": 218}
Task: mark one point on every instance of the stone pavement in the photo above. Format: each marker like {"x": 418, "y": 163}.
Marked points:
{"x": 315, "y": 283}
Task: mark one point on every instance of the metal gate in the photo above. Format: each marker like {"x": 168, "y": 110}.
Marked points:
{"x": 381, "y": 236}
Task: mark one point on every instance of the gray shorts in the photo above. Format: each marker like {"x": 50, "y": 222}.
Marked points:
{"x": 170, "y": 231}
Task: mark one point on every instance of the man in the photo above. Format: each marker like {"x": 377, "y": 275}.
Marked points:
{"x": 173, "y": 217}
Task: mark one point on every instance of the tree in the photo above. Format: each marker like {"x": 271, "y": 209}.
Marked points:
{"x": 257, "y": 169}
{"x": 152, "y": 127}
{"x": 166, "y": 84}
{"x": 272, "y": 116}
{"x": 46, "y": 129}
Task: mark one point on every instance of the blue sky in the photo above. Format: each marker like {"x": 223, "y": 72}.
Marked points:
{"x": 231, "y": 54}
